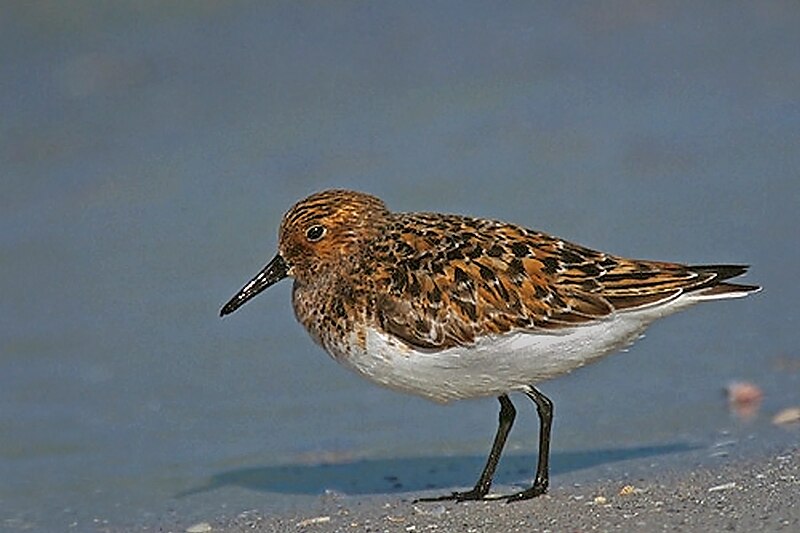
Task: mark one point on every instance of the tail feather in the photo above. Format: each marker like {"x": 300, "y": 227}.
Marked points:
{"x": 715, "y": 287}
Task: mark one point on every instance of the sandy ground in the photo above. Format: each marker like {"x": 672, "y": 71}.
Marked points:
{"x": 754, "y": 495}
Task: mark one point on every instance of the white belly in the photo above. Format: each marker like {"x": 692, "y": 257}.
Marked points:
{"x": 498, "y": 364}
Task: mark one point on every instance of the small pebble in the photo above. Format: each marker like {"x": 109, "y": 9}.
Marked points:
{"x": 315, "y": 520}
{"x": 790, "y": 415}
{"x": 200, "y": 527}
{"x": 724, "y": 486}
{"x": 600, "y": 500}
{"x": 744, "y": 398}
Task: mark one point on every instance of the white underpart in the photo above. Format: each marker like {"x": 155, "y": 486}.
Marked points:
{"x": 499, "y": 364}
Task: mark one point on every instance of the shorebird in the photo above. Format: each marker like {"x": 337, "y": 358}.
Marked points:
{"x": 450, "y": 307}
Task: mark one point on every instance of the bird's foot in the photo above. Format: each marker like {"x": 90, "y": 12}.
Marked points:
{"x": 532, "y": 492}
{"x": 470, "y": 495}
{"x": 476, "y": 494}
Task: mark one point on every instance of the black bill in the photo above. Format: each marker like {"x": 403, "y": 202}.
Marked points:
{"x": 275, "y": 271}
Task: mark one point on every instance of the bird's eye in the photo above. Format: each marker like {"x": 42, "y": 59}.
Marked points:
{"x": 315, "y": 233}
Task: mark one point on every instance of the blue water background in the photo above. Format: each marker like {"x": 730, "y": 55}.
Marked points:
{"x": 148, "y": 151}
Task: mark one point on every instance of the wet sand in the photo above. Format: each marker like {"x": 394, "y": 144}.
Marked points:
{"x": 741, "y": 495}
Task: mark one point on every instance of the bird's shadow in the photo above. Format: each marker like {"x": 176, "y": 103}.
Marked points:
{"x": 384, "y": 476}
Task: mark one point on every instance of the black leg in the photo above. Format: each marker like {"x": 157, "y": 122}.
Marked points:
{"x": 545, "y": 409}
{"x": 481, "y": 488}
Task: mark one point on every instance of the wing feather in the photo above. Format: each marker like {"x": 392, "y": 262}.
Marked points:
{"x": 456, "y": 278}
